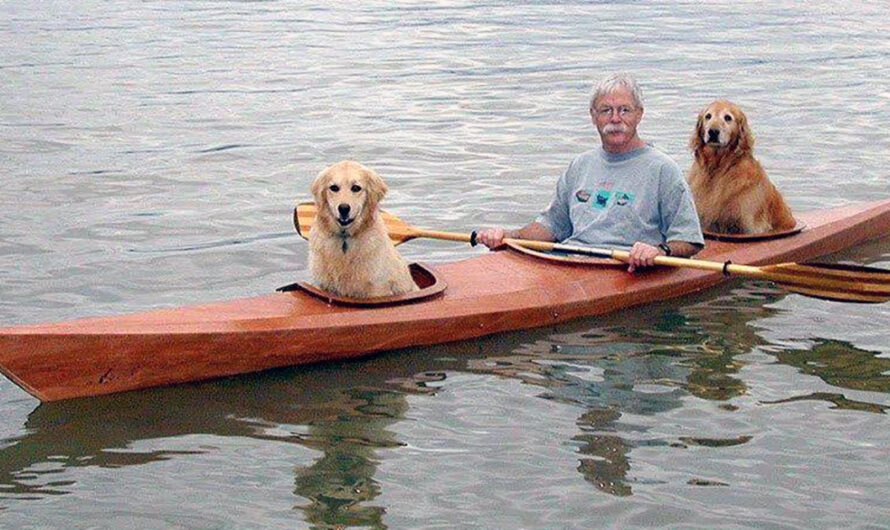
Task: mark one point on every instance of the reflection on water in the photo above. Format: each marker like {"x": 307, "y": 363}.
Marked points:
{"x": 340, "y": 484}
{"x": 838, "y": 400}
{"x": 345, "y": 425}
{"x": 605, "y": 462}
{"x": 644, "y": 365}
{"x": 841, "y": 364}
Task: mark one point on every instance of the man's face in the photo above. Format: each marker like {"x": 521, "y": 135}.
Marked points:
{"x": 616, "y": 118}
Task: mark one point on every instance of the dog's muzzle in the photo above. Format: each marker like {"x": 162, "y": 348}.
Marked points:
{"x": 713, "y": 136}
{"x": 344, "y": 218}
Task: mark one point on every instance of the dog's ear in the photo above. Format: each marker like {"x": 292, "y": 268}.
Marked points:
{"x": 746, "y": 137}
{"x": 695, "y": 141}
{"x": 376, "y": 188}
{"x": 319, "y": 185}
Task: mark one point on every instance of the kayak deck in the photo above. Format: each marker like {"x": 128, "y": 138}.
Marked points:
{"x": 490, "y": 293}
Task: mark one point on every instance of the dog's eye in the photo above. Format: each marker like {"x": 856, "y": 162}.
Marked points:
{"x": 707, "y": 116}
{"x": 728, "y": 117}
{"x": 356, "y": 188}
{"x": 335, "y": 188}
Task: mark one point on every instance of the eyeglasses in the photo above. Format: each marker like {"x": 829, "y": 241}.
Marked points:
{"x": 607, "y": 112}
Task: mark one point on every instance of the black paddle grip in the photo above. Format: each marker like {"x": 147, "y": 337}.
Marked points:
{"x": 473, "y": 241}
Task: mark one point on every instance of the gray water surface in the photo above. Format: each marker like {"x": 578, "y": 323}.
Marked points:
{"x": 150, "y": 156}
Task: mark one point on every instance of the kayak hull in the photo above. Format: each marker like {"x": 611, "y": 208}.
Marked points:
{"x": 490, "y": 293}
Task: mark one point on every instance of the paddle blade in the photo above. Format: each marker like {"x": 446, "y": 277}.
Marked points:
{"x": 847, "y": 283}
{"x": 304, "y": 218}
{"x": 399, "y": 231}
{"x": 837, "y": 295}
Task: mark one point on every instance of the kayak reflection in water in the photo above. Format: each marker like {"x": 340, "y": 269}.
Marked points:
{"x": 625, "y": 194}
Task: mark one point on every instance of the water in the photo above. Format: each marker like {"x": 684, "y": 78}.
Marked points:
{"x": 151, "y": 153}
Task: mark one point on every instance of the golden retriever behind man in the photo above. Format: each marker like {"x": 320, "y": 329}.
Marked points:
{"x": 350, "y": 253}
{"x": 731, "y": 190}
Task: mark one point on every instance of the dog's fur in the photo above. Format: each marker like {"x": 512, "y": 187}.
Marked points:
{"x": 350, "y": 253}
{"x": 731, "y": 190}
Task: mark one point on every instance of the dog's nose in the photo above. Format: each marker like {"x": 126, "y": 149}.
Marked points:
{"x": 713, "y": 135}
{"x": 344, "y": 210}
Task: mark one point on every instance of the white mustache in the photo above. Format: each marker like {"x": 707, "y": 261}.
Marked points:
{"x": 615, "y": 127}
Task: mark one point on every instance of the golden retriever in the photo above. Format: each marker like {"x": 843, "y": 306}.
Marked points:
{"x": 731, "y": 190}
{"x": 350, "y": 253}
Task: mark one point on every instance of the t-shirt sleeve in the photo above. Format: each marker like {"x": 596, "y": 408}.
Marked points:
{"x": 679, "y": 220}
{"x": 556, "y": 216}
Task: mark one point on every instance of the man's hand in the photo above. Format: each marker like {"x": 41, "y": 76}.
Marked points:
{"x": 492, "y": 237}
{"x": 642, "y": 255}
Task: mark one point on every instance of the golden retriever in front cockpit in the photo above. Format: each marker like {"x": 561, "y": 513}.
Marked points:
{"x": 350, "y": 252}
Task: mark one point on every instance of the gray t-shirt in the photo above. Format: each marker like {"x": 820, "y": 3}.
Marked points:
{"x": 615, "y": 200}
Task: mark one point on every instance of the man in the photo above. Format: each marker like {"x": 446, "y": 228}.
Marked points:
{"x": 625, "y": 194}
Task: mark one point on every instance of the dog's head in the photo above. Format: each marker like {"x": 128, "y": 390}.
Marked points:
{"x": 347, "y": 194}
{"x": 722, "y": 126}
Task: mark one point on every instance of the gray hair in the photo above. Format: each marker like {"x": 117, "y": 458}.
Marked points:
{"x": 615, "y": 82}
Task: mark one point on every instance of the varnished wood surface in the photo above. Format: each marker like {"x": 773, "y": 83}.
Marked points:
{"x": 490, "y": 293}
{"x": 425, "y": 277}
{"x": 798, "y": 227}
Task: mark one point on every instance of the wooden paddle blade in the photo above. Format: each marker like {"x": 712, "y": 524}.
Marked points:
{"x": 835, "y": 270}
{"x": 304, "y": 218}
{"x": 399, "y": 231}
{"x": 849, "y": 283}
{"x": 836, "y": 295}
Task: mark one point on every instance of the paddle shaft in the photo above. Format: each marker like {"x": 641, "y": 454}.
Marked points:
{"x": 438, "y": 234}
{"x": 789, "y": 274}
{"x": 620, "y": 255}
{"x": 624, "y": 256}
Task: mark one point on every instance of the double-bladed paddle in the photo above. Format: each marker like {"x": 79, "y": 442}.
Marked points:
{"x": 849, "y": 283}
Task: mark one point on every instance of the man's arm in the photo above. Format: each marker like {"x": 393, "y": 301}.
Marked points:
{"x": 682, "y": 249}
{"x": 679, "y": 224}
{"x": 494, "y": 237}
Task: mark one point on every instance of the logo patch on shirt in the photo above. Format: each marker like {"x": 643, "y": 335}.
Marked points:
{"x": 602, "y": 199}
{"x": 607, "y": 198}
{"x": 622, "y": 198}
{"x": 582, "y": 196}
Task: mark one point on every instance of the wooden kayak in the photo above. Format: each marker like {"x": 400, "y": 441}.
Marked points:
{"x": 490, "y": 293}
